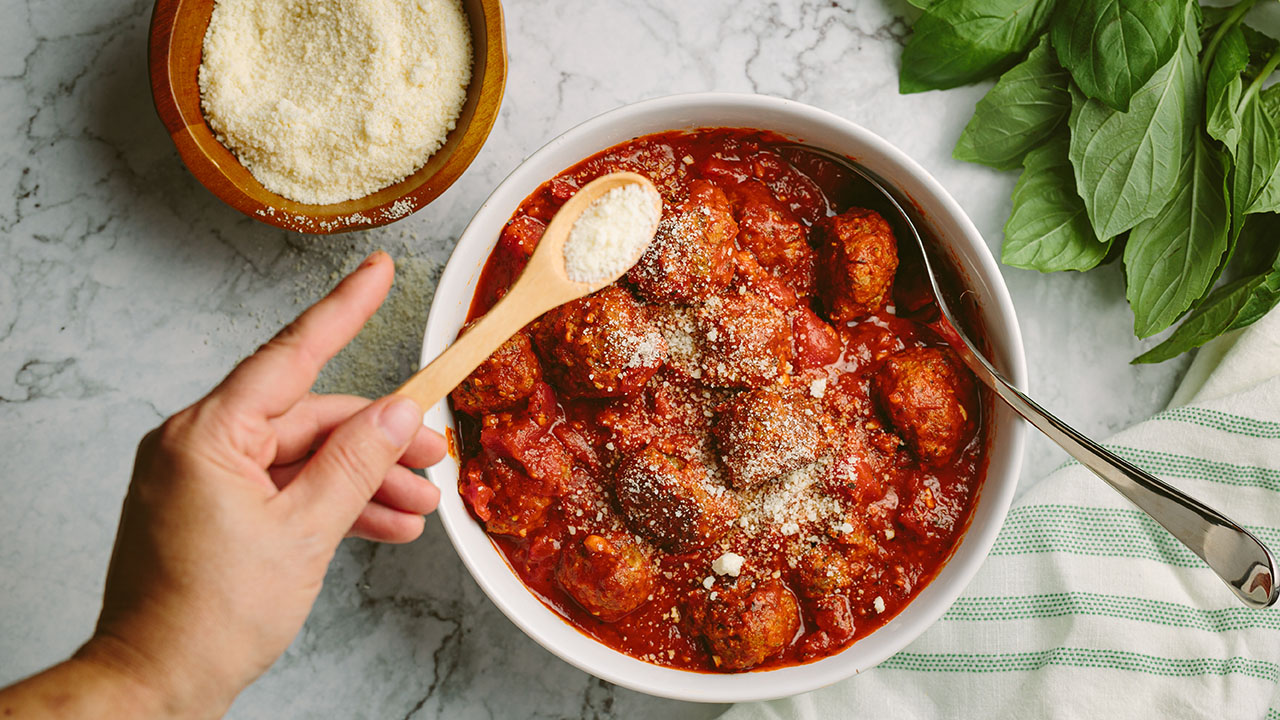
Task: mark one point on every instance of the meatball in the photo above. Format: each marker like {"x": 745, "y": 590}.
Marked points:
{"x": 745, "y": 625}
{"x": 744, "y": 341}
{"x": 504, "y": 379}
{"x": 769, "y": 432}
{"x": 506, "y": 500}
{"x": 928, "y": 400}
{"x": 857, "y": 257}
{"x": 768, "y": 229}
{"x": 666, "y": 493}
{"x": 691, "y": 256}
{"x": 609, "y": 576}
{"x": 602, "y": 345}
{"x": 823, "y": 571}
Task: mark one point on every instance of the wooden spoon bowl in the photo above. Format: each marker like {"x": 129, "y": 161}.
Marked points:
{"x": 177, "y": 39}
{"x": 543, "y": 285}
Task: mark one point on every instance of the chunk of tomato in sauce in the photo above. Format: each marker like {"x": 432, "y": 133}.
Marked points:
{"x": 816, "y": 343}
{"x": 835, "y": 626}
{"x": 932, "y": 511}
{"x": 529, "y": 444}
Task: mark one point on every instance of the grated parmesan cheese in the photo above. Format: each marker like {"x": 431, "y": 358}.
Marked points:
{"x": 611, "y": 234}
{"x": 330, "y": 100}
{"x": 728, "y": 564}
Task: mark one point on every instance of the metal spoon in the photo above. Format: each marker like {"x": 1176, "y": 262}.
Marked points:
{"x": 1239, "y": 558}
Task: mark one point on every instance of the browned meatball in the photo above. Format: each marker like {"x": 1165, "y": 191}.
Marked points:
{"x": 768, "y": 229}
{"x": 857, "y": 257}
{"x": 929, "y": 401}
{"x": 745, "y": 341}
{"x": 602, "y": 345}
{"x": 505, "y": 499}
{"x": 823, "y": 571}
{"x": 691, "y": 257}
{"x": 766, "y": 433}
{"x": 505, "y": 378}
{"x": 609, "y": 576}
{"x": 744, "y": 626}
{"x": 666, "y": 493}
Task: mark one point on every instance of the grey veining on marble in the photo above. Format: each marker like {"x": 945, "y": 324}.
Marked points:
{"x": 127, "y": 290}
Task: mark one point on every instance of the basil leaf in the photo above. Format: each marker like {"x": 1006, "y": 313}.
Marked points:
{"x": 1223, "y": 88}
{"x": 1048, "y": 229}
{"x": 1173, "y": 258}
{"x": 1113, "y": 47}
{"x": 1212, "y": 17}
{"x": 1236, "y": 304}
{"x": 1127, "y": 164}
{"x": 1271, "y": 102}
{"x": 1261, "y": 46}
{"x": 1026, "y": 105}
{"x": 1269, "y": 199}
{"x": 1263, "y": 298}
{"x": 957, "y": 42}
{"x": 1256, "y": 156}
{"x": 923, "y": 4}
{"x": 1257, "y": 248}
{"x": 1216, "y": 315}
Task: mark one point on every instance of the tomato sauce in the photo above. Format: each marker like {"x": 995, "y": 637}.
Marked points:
{"x": 884, "y": 525}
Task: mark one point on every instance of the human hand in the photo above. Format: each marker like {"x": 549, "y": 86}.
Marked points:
{"x": 238, "y": 503}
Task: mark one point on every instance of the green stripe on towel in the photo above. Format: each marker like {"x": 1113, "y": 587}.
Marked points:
{"x": 1194, "y": 468}
{"x": 1226, "y": 422}
{"x": 1035, "y": 607}
{"x": 1098, "y": 532}
{"x": 1082, "y": 658}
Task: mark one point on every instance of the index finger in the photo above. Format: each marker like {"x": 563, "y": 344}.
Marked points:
{"x": 283, "y": 370}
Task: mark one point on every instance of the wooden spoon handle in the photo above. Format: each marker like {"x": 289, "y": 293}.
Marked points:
{"x": 516, "y": 309}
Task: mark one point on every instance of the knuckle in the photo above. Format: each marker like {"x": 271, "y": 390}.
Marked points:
{"x": 173, "y": 433}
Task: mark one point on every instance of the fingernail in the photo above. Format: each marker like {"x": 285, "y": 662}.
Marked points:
{"x": 371, "y": 260}
{"x": 400, "y": 421}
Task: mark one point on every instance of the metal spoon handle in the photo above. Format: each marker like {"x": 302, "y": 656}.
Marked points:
{"x": 1229, "y": 550}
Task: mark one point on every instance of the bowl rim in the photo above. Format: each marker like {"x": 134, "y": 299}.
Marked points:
{"x": 995, "y": 496}
{"x": 192, "y": 136}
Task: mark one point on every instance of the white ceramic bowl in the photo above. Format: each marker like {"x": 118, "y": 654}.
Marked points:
{"x": 946, "y": 221}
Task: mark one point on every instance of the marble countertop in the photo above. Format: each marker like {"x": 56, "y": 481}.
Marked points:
{"x": 127, "y": 290}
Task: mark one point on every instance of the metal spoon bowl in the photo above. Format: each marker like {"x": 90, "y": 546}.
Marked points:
{"x": 1233, "y": 553}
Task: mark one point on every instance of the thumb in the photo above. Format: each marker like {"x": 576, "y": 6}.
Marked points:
{"x": 347, "y": 470}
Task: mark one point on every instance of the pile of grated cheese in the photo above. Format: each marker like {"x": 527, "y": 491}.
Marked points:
{"x": 611, "y": 234}
{"x": 330, "y": 100}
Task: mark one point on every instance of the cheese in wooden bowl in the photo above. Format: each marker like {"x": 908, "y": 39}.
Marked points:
{"x": 328, "y": 115}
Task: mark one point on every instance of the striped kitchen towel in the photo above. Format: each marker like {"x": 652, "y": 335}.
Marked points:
{"x": 1088, "y": 609}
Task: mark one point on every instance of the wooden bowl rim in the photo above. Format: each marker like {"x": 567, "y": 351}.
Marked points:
{"x": 359, "y": 213}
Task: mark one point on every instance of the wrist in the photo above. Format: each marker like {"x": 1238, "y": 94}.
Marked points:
{"x": 141, "y": 687}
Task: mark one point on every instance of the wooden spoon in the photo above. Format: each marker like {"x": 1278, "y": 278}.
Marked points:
{"x": 544, "y": 284}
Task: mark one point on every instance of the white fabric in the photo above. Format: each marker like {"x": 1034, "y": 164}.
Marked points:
{"x": 1085, "y": 607}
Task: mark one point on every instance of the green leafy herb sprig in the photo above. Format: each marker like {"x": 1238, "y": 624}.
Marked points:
{"x": 1143, "y": 132}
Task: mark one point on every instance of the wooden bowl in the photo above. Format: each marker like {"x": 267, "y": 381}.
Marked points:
{"x": 177, "y": 40}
